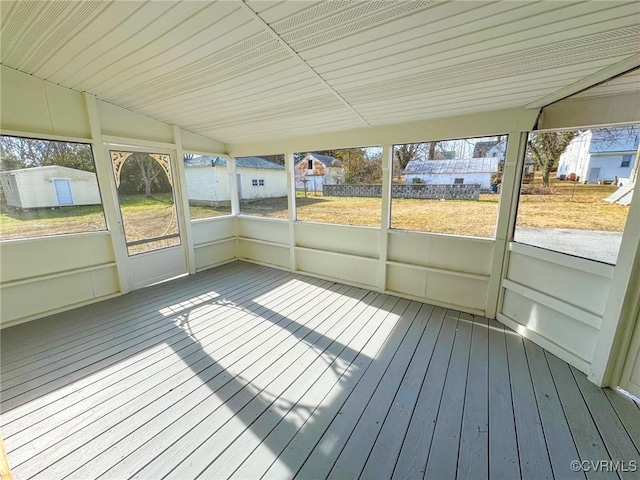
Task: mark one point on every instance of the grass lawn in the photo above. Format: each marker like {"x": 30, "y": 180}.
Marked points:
{"x": 570, "y": 206}
{"x": 35, "y": 223}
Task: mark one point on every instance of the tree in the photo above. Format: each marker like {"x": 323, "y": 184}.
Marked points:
{"x": 18, "y": 152}
{"x": 546, "y": 149}
{"x": 403, "y": 154}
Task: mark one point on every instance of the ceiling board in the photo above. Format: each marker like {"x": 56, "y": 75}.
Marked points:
{"x": 284, "y": 68}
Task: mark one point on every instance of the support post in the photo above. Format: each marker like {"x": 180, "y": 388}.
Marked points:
{"x": 289, "y": 164}
{"x": 182, "y": 200}
{"x": 109, "y": 194}
{"x": 507, "y": 208}
{"x": 385, "y": 223}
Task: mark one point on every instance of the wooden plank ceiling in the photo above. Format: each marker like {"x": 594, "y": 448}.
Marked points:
{"x": 246, "y": 71}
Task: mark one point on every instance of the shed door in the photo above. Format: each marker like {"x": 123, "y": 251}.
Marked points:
{"x": 63, "y": 191}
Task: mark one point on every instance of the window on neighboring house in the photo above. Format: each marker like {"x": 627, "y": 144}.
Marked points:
{"x": 37, "y": 201}
{"x": 458, "y": 181}
{"x": 261, "y": 182}
{"x": 310, "y": 164}
{"x": 254, "y": 182}
{"x": 626, "y": 161}
{"x": 257, "y": 182}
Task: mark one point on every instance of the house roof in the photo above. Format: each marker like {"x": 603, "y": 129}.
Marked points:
{"x": 355, "y": 64}
{"x": 241, "y": 162}
{"x": 458, "y": 165}
{"x": 607, "y": 141}
{"x": 43, "y": 168}
{"x": 327, "y": 160}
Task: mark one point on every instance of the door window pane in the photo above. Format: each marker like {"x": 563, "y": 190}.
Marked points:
{"x": 145, "y": 193}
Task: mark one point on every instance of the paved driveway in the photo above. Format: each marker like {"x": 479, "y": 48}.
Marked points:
{"x": 600, "y": 246}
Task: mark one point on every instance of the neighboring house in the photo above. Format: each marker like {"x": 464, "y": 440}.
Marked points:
{"x": 208, "y": 183}
{"x": 599, "y": 156}
{"x": 50, "y": 186}
{"x": 315, "y": 170}
{"x": 492, "y": 148}
{"x": 457, "y": 171}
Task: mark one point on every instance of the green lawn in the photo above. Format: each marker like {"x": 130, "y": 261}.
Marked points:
{"x": 570, "y": 206}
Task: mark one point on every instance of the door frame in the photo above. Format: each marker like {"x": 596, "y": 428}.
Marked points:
{"x": 182, "y": 214}
{"x": 55, "y": 188}
{"x": 632, "y": 360}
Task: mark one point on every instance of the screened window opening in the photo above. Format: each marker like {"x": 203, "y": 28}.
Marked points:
{"x": 47, "y": 187}
{"x": 262, "y": 186}
{"x": 340, "y": 186}
{"x": 208, "y": 186}
{"x": 448, "y": 186}
{"x": 577, "y": 200}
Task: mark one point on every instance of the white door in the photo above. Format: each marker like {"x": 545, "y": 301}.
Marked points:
{"x": 63, "y": 191}
{"x": 630, "y": 378}
{"x": 151, "y": 222}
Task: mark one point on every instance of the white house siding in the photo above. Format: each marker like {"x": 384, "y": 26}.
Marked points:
{"x": 35, "y": 187}
{"x": 595, "y": 156}
{"x": 483, "y": 179}
{"x": 575, "y": 158}
{"x": 207, "y": 184}
{"x": 10, "y": 189}
{"x": 609, "y": 168}
{"x": 211, "y": 184}
{"x": 275, "y": 183}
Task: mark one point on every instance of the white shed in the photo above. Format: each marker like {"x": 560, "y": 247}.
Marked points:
{"x": 455, "y": 171}
{"x": 208, "y": 179}
{"x": 50, "y": 186}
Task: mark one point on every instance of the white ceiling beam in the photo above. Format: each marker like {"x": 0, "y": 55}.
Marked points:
{"x": 600, "y": 76}
{"x": 300, "y": 60}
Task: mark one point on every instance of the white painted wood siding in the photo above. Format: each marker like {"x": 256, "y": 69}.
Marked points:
{"x": 556, "y": 300}
{"x": 45, "y": 275}
{"x": 275, "y": 183}
{"x": 207, "y": 184}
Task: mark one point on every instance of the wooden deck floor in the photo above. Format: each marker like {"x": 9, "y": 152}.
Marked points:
{"x": 249, "y": 372}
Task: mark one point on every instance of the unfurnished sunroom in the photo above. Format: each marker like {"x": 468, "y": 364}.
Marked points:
{"x": 197, "y": 299}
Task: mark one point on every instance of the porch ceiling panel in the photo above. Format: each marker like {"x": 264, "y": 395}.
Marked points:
{"x": 248, "y": 71}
